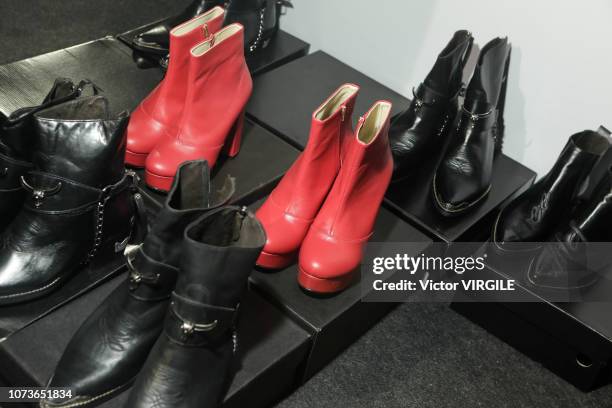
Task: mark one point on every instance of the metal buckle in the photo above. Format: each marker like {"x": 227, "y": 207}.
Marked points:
{"x": 3, "y": 172}
{"x": 39, "y": 195}
{"x": 189, "y": 328}
{"x": 136, "y": 278}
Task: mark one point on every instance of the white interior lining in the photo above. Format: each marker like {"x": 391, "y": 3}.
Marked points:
{"x": 219, "y": 37}
{"x": 197, "y": 22}
{"x": 334, "y": 101}
{"x": 373, "y": 122}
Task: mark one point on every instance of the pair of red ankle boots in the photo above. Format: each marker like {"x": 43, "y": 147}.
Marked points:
{"x": 198, "y": 108}
{"x": 325, "y": 206}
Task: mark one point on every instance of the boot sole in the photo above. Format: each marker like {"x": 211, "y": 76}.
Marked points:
{"x": 275, "y": 261}
{"x": 157, "y": 182}
{"x": 135, "y": 159}
{"x": 91, "y": 401}
{"x": 316, "y": 285}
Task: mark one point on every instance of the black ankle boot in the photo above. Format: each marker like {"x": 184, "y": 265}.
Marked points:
{"x": 78, "y": 200}
{"x": 156, "y": 40}
{"x": 418, "y": 133}
{"x": 16, "y": 137}
{"x": 463, "y": 178}
{"x": 532, "y": 216}
{"x": 191, "y": 362}
{"x": 111, "y": 346}
{"x": 260, "y": 19}
{"x": 578, "y": 253}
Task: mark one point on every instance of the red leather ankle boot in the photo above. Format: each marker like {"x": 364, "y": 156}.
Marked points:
{"x": 219, "y": 86}
{"x": 293, "y": 204}
{"x": 159, "y": 113}
{"x": 333, "y": 248}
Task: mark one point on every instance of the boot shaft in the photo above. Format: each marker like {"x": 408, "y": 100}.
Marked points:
{"x": 79, "y": 140}
{"x": 191, "y": 196}
{"x": 353, "y": 203}
{"x": 219, "y": 86}
{"x": 484, "y": 92}
{"x": 446, "y": 75}
{"x": 219, "y": 252}
{"x": 309, "y": 179}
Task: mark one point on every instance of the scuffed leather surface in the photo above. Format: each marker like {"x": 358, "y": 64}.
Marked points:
{"x": 219, "y": 252}
{"x": 111, "y": 346}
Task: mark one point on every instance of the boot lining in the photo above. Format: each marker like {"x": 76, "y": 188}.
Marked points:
{"x": 220, "y": 36}
{"x": 592, "y": 142}
{"x": 335, "y": 101}
{"x": 373, "y": 122}
{"x": 195, "y": 23}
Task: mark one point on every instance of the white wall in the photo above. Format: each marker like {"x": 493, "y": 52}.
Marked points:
{"x": 561, "y": 68}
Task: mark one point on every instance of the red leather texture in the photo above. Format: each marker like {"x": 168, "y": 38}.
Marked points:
{"x": 158, "y": 115}
{"x": 293, "y": 204}
{"x": 219, "y": 86}
{"x": 333, "y": 248}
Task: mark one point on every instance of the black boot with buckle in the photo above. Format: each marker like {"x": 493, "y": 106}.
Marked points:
{"x": 418, "y": 134}
{"x": 191, "y": 362}
{"x": 111, "y": 346}
{"x": 16, "y": 137}
{"x": 463, "y": 177}
{"x": 78, "y": 200}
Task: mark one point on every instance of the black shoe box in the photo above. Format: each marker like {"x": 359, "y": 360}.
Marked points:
{"x": 283, "y": 99}
{"x": 272, "y": 349}
{"x": 573, "y": 339}
{"x": 335, "y": 321}
{"x": 262, "y": 161}
{"x": 282, "y": 49}
{"x": 412, "y": 199}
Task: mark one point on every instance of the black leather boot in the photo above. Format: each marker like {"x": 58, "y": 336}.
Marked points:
{"x": 156, "y": 40}
{"x": 192, "y": 360}
{"x": 111, "y": 346}
{"x": 16, "y": 137}
{"x": 533, "y": 215}
{"x": 78, "y": 200}
{"x": 463, "y": 177}
{"x": 260, "y": 19}
{"x": 578, "y": 253}
{"x": 417, "y": 134}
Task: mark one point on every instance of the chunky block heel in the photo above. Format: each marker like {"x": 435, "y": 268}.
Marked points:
{"x": 235, "y": 136}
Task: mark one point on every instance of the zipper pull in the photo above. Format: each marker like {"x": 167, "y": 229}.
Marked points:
{"x": 206, "y": 31}
{"x": 343, "y": 113}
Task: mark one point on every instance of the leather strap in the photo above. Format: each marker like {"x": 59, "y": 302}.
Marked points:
{"x": 53, "y": 194}
{"x": 10, "y": 171}
{"x": 149, "y": 280}
{"x": 194, "y": 324}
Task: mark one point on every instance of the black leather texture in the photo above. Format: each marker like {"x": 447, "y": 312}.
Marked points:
{"x": 109, "y": 349}
{"x": 192, "y": 360}
{"x": 418, "y": 133}
{"x": 463, "y": 177}
{"x": 535, "y": 214}
{"x": 78, "y": 199}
